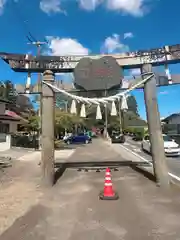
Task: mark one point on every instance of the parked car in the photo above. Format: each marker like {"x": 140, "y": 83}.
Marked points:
{"x": 117, "y": 137}
{"x": 80, "y": 138}
{"x": 67, "y": 136}
{"x": 171, "y": 148}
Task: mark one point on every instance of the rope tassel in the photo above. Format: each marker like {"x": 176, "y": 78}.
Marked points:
{"x": 168, "y": 74}
{"x": 83, "y": 111}
{"x": 113, "y": 109}
{"x": 73, "y": 107}
{"x": 124, "y": 105}
{"x": 28, "y": 83}
{"x": 98, "y": 112}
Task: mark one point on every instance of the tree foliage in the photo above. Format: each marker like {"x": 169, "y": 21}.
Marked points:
{"x": 33, "y": 124}
{"x": 65, "y": 121}
{"x": 132, "y": 119}
{"x": 17, "y": 103}
{"x": 132, "y": 105}
{"x": 7, "y": 91}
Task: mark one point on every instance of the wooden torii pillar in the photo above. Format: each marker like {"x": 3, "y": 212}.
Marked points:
{"x": 155, "y": 131}
{"x": 47, "y": 154}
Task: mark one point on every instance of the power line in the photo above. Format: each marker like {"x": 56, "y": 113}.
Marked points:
{"x": 31, "y": 38}
{"x": 21, "y": 19}
{"x": 24, "y": 23}
{"x": 38, "y": 44}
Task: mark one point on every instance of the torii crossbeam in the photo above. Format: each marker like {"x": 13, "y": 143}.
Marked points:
{"x": 129, "y": 60}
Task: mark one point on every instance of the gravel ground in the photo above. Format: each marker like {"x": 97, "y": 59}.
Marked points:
{"x": 19, "y": 186}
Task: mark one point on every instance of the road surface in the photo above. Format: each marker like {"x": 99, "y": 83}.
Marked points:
{"x": 71, "y": 210}
{"x": 173, "y": 162}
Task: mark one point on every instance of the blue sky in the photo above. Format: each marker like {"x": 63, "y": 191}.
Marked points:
{"x": 92, "y": 26}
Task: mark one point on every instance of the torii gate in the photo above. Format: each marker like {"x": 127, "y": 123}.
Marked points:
{"x": 140, "y": 59}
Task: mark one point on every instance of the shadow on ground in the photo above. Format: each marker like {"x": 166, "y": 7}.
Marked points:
{"x": 5, "y": 162}
{"x": 4, "y": 166}
{"x": 70, "y": 147}
{"x": 98, "y": 166}
{"x": 32, "y": 217}
{"x": 144, "y": 172}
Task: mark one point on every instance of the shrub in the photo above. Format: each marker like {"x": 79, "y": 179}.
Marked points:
{"x": 24, "y": 141}
{"x": 59, "y": 144}
{"x": 139, "y": 134}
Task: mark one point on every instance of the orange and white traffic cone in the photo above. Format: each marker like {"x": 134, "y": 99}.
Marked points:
{"x": 108, "y": 193}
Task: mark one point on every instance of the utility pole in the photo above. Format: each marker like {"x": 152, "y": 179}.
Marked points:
{"x": 155, "y": 132}
{"x": 38, "y": 44}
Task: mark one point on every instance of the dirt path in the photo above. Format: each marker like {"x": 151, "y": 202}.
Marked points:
{"x": 71, "y": 210}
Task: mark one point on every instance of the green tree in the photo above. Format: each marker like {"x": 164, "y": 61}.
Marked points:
{"x": 91, "y": 110}
{"x": 17, "y": 103}
{"x": 66, "y": 121}
{"x": 7, "y": 91}
{"x": 33, "y": 124}
{"x": 10, "y": 92}
{"x": 132, "y": 104}
{"x": 132, "y": 119}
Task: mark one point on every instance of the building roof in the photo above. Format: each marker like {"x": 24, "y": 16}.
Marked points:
{"x": 170, "y": 117}
{"x": 10, "y": 115}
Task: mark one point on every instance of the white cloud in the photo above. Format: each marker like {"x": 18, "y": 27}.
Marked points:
{"x": 133, "y": 7}
{"x": 66, "y": 46}
{"x": 114, "y": 45}
{"x": 2, "y": 3}
{"x": 89, "y": 4}
{"x": 51, "y": 6}
{"x": 135, "y": 71}
{"x": 128, "y": 35}
{"x": 164, "y": 92}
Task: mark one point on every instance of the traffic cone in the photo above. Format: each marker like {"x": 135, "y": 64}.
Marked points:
{"x": 108, "y": 193}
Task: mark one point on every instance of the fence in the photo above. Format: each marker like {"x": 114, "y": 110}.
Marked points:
{"x": 5, "y": 142}
{"x": 171, "y": 129}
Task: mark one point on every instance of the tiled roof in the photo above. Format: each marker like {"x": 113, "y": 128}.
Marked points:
{"x": 171, "y": 116}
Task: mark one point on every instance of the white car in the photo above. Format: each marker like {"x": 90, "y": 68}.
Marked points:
{"x": 171, "y": 148}
{"x": 66, "y": 136}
